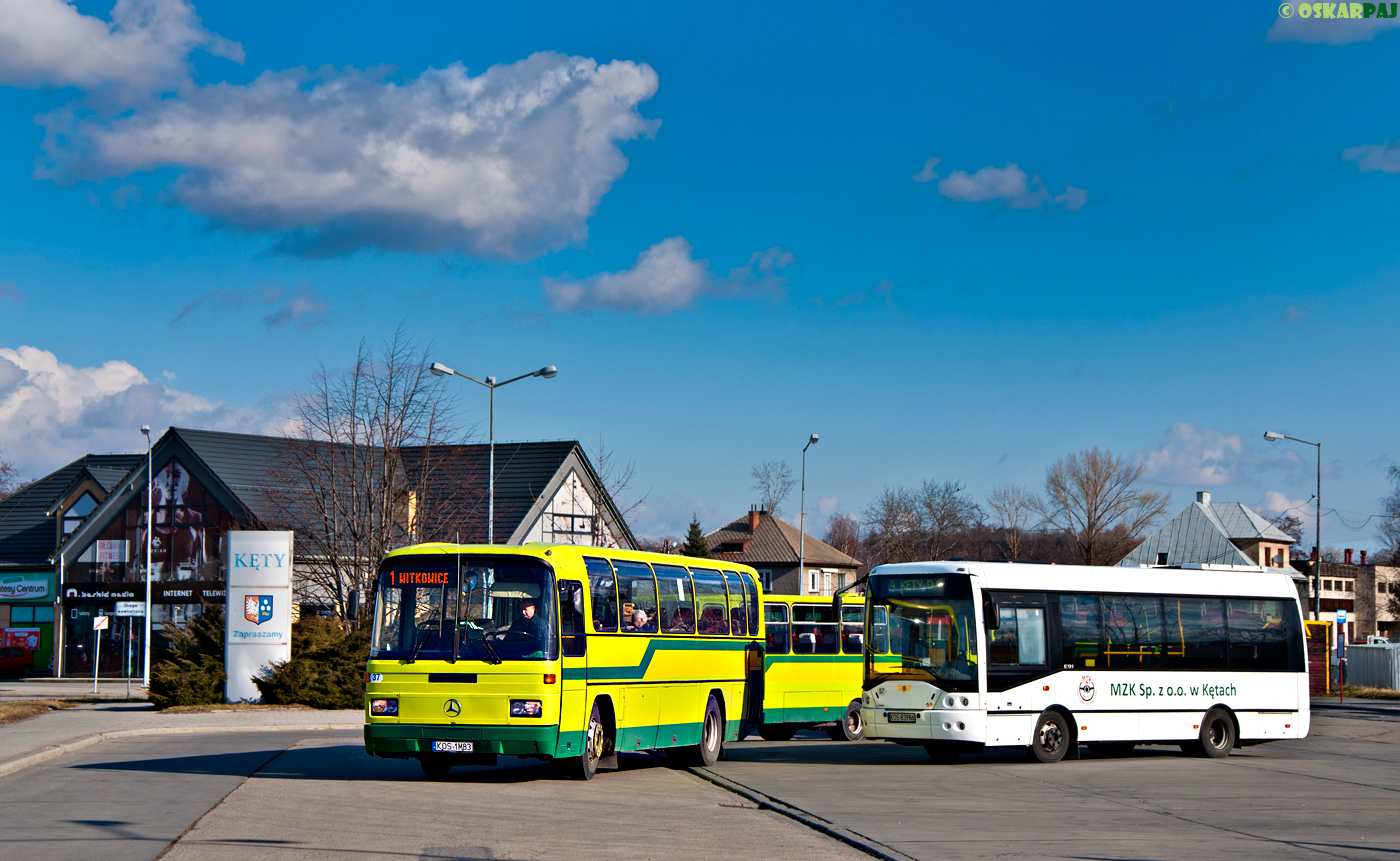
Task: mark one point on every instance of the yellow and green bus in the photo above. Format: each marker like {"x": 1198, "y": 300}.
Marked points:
{"x": 812, "y": 672}
{"x": 560, "y": 652}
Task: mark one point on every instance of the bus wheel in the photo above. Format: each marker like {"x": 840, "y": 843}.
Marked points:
{"x": 711, "y": 737}
{"x": 777, "y": 731}
{"x": 435, "y": 767}
{"x": 1217, "y": 735}
{"x": 850, "y": 728}
{"x": 1051, "y": 740}
{"x": 586, "y": 765}
{"x": 1112, "y": 749}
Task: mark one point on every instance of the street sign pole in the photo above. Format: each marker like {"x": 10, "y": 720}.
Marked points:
{"x": 99, "y": 624}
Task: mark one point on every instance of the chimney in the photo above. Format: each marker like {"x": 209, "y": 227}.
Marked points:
{"x": 754, "y": 511}
{"x": 1347, "y": 556}
{"x": 1203, "y": 497}
{"x": 1314, "y": 553}
{"x": 1363, "y": 557}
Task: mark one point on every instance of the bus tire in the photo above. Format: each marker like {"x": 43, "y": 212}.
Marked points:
{"x": 1109, "y": 749}
{"x": 435, "y": 767}
{"x": 585, "y": 766}
{"x": 942, "y": 752}
{"x": 777, "y": 731}
{"x": 850, "y": 727}
{"x": 706, "y": 753}
{"x": 1217, "y": 735}
{"x": 1051, "y": 739}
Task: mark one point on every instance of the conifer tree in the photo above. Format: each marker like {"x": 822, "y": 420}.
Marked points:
{"x": 695, "y": 541}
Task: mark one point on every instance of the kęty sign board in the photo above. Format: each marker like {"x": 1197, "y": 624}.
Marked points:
{"x": 259, "y": 609}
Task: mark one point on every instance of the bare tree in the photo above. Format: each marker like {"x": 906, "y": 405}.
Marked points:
{"x": 773, "y": 480}
{"x": 843, "y": 533}
{"x": 1091, "y": 495}
{"x": 1016, "y": 511}
{"x": 616, "y": 477}
{"x": 892, "y": 523}
{"x": 367, "y": 467}
{"x": 7, "y": 478}
{"x": 946, "y": 513}
{"x": 1389, "y": 530}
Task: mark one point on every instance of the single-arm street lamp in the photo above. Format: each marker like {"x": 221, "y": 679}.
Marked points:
{"x": 802, "y": 519}
{"x": 1274, "y": 436}
{"x": 150, "y": 526}
{"x": 438, "y": 369}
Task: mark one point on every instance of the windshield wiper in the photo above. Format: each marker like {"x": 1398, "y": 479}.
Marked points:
{"x": 418, "y": 642}
{"x": 490, "y": 649}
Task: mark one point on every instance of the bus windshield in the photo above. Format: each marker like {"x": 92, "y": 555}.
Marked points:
{"x": 922, "y": 627}
{"x": 497, "y": 609}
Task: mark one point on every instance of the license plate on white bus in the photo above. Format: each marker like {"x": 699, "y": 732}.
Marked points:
{"x": 901, "y": 717}
{"x": 452, "y": 746}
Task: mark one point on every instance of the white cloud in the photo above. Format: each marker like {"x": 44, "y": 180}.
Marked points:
{"x": 1011, "y": 186}
{"x": 301, "y": 307}
{"x": 667, "y": 278}
{"x": 1375, "y": 157}
{"x": 52, "y": 413}
{"x": 927, "y": 173}
{"x": 10, "y": 293}
{"x": 1195, "y": 456}
{"x": 144, "y": 47}
{"x": 508, "y": 164}
{"x": 1328, "y": 31}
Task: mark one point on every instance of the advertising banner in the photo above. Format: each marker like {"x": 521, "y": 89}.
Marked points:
{"x": 27, "y": 587}
{"x": 26, "y": 637}
{"x": 259, "y": 608}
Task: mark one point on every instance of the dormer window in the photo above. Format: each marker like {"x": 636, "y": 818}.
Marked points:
{"x": 77, "y": 512}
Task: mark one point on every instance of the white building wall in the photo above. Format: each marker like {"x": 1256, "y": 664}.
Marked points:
{"x": 571, "y": 518}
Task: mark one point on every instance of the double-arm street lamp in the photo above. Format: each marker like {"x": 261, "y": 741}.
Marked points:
{"x": 440, "y": 370}
{"x": 802, "y": 518}
{"x": 1274, "y": 436}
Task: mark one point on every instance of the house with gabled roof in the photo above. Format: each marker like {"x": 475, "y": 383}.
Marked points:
{"x": 84, "y": 527}
{"x": 772, "y": 546}
{"x": 1215, "y": 533}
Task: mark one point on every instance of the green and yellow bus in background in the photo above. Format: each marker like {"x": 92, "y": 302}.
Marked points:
{"x": 812, "y": 671}
{"x": 560, "y": 652}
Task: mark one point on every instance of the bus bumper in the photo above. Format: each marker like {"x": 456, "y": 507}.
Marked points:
{"x": 400, "y": 741}
{"x": 927, "y": 725}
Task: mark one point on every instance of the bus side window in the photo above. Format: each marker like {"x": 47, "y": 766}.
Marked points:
{"x": 603, "y": 591}
{"x": 775, "y": 627}
{"x": 751, "y": 587}
{"x": 1020, "y": 637}
{"x": 677, "y": 606}
{"x": 636, "y": 597}
{"x": 814, "y": 630}
{"x": 1080, "y": 631}
{"x": 1195, "y": 633}
{"x": 737, "y": 625}
{"x": 852, "y": 633}
{"x": 1258, "y": 634}
{"x": 880, "y": 631}
{"x": 575, "y": 643}
{"x": 709, "y": 601}
{"x": 1133, "y": 625}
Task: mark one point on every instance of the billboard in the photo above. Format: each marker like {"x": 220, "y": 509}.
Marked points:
{"x": 259, "y": 608}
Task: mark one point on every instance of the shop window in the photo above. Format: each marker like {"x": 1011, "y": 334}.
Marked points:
{"x": 24, "y": 615}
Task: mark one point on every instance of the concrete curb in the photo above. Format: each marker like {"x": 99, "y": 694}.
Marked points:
{"x": 816, "y": 823}
{"x": 54, "y": 751}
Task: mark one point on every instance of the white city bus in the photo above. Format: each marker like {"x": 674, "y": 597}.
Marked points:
{"x": 965, "y": 655}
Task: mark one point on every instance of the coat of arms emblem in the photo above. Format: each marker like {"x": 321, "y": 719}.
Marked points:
{"x": 257, "y": 608}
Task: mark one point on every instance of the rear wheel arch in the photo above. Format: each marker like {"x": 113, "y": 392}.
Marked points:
{"x": 609, "y": 718}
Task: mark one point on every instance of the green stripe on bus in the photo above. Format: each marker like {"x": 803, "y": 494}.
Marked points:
{"x": 639, "y": 672}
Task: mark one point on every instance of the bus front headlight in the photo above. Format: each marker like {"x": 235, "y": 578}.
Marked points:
{"x": 384, "y": 708}
{"x": 526, "y": 708}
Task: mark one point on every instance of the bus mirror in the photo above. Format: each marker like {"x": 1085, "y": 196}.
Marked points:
{"x": 352, "y": 606}
{"x": 836, "y": 609}
{"x": 991, "y": 616}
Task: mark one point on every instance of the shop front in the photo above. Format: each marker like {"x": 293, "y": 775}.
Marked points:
{"x": 123, "y": 640}
{"x": 27, "y": 614}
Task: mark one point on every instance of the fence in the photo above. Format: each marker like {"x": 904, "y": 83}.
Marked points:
{"x": 1374, "y": 666}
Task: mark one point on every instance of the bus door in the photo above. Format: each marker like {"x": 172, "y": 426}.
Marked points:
{"x": 573, "y": 653}
{"x": 1019, "y": 641}
{"x": 753, "y": 688}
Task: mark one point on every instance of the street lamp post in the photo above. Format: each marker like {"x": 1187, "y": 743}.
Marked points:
{"x": 150, "y": 526}
{"x": 1274, "y": 436}
{"x": 438, "y": 369}
{"x": 802, "y": 518}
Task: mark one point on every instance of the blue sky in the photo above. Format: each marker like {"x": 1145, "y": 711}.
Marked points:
{"x": 1159, "y": 230}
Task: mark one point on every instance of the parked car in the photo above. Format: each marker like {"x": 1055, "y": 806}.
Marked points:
{"x": 16, "y": 661}
{"x": 1374, "y": 640}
